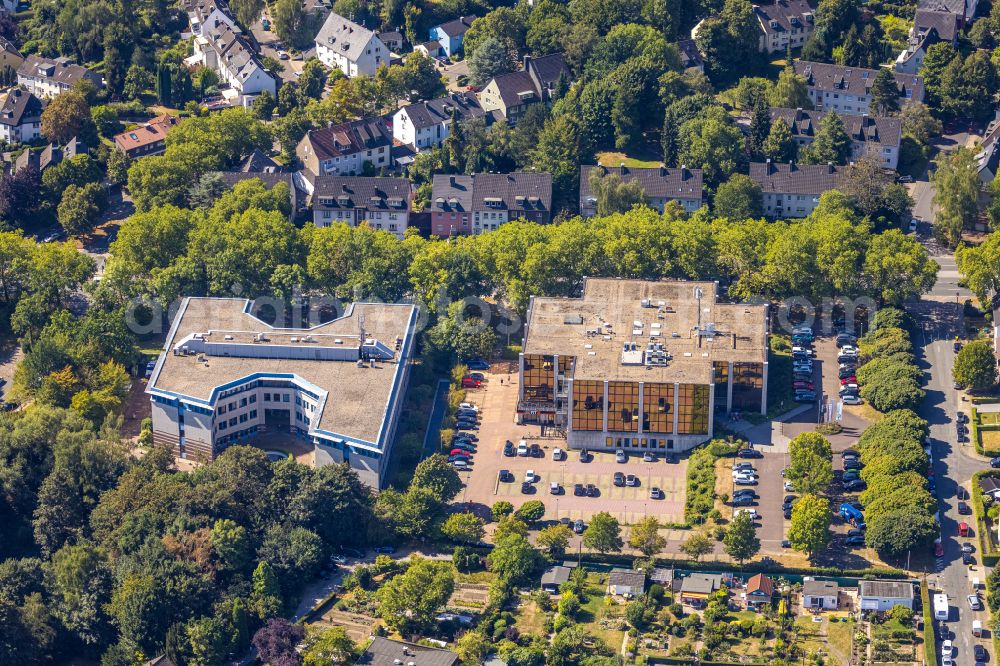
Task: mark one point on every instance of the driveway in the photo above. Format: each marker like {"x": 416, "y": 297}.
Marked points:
{"x": 269, "y": 46}
{"x": 452, "y": 72}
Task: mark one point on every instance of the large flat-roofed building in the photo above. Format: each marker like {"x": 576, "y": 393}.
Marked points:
{"x": 641, "y": 365}
{"x": 226, "y": 377}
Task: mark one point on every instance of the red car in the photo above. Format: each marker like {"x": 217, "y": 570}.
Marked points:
{"x": 848, "y": 380}
{"x": 808, "y": 386}
{"x": 471, "y": 382}
{"x": 459, "y": 452}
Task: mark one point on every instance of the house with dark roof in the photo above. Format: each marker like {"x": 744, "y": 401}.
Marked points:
{"x": 964, "y": 9}
{"x": 698, "y": 587}
{"x": 393, "y": 40}
{"x": 485, "y": 201}
{"x": 9, "y": 55}
{"x": 508, "y": 95}
{"x": 431, "y": 49}
{"x": 451, "y": 35}
{"x": 203, "y": 13}
{"x": 353, "y": 49}
{"x": 848, "y": 89}
{"x": 691, "y": 57}
{"x": 149, "y": 139}
{"x": 554, "y": 577}
{"x": 760, "y": 591}
{"x": 225, "y": 49}
{"x": 882, "y": 595}
{"x": 784, "y": 24}
{"x": 990, "y": 485}
{"x": 659, "y": 184}
{"x": 382, "y": 203}
{"x": 988, "y": 154}
{"x": 427, "y": 124}
{"x": 258, "y": 162}
{"x": 49, "y": 156}
{"x": 47, "y": 77}
{"x": 793, "y": 190}
{"x": 20, "y": 116}
{"x": 344, "y": 149}
{"x": 929, "y": 28}
{"x": 820, "y": 594}
{"x": 626, "y": 583}
{"x": 387, "y": 652}
{"x": 877, "y": 137}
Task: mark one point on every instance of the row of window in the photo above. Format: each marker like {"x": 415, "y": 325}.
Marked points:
{"x": 232, "y": 406}
{"x": 243, "y": 418}
{"x": 639, "y": 443}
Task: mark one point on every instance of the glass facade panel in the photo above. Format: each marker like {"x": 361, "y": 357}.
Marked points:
{"x": 538, "y": 377}
{"x": 721, "y": 386}
{"x": 658, "y": 408}
{"x": 748, "y": 386}
{"x": 588, "y": 405}
{"x": 692, "y": 409}
{"x": 623, "y": 406}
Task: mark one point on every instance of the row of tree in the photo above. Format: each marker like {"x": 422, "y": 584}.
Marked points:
{"x": 889, "y": 376}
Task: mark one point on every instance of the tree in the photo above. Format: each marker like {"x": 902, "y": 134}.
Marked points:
{"x": 68, "y": 116}
{"x": 554, "y": 539}
{"x": 917, "y": 122}
{"x": 956, "y": 194}
{"x": 265, "y": 596}
{"x": 760, "y": 127}
{"x": 697, "y": 546}
{"x": 290, "y": 22}
{"x": 490, "y": 59}
{"x": 976, "y": 366}
{"x": 435, "y": 474}
{"x": 741, "y": 542}
{"x": 900, "y": 529}
{"x": 791, "y": 91}
{"x": 885, "y": 93}
{"x": 117, "y": 166}
{"x": 312, "y": 81}
{"x": 603, "y": 534}
{"x": 739, "y": 198}
{"x": 831, "y": 143}
{"x": 898, "y": 268}
{"x": 409, "y": 602}
{"x": 463, "y": 527}
{"x": 712, "y": 142}
{"x": 79, "y": 208}
{"x": 530, "y": 512}
{"x": 137, "y": 81}
{"x": 246, "y": 11}
{"x": 473, "y": 647}
{"x": 501, "y": 509}
{"x": 512, "y": 559}
{"x": 613, "y": 194}
{"x": 646, "y": 538}
{"x": 277, "y": 640}
{"x": 810, "y": 528}
{"x": 328, "y": 647}
{"x": 669, "y": 138}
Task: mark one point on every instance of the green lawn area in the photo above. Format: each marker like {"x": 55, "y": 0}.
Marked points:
{"x": 809, "y": 638}
{"x": 989, "y": 418}
{"x": 530, "y": 620}
{"x": 990, "y": 440}
{"x": 596, "y": 609}
{"x": 839, "y": 634}
{"x": 611, "y": 159}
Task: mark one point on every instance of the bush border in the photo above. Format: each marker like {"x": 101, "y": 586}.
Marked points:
{"x": 930, "y": 646}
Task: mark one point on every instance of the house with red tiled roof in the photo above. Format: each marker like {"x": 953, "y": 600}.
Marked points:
{"x": 760, "y": 590}
{"x": 149, "y": 139}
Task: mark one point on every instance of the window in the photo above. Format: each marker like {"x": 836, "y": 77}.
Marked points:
{"x": 267, "y": 397}
{"x": 538, "y": 376}
{"x": 285, "y": 398}
{"x": 692, "y": 409}
{"x": 232, "y": 421}
{"x": 658, "y": 407}
{"x": 253, "y": 413}
{"x": 243, "y": 402}
{"x": 748, "y": 386}
{"x": 588, "y": 405}
{"x": 253, "y": 398}
{"x": 623, "y": 406}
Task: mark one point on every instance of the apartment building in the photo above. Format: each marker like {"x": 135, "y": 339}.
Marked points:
{"x": 793, "y": 190}
{"x": 225, "y": 49}
{"x": 353, "y": 49}
{"x": 876, "y": 137}
{"x": 227, "y": 377}
{"x": 343, "y": 150}
{"x": 20, "y": 116}
{"x": 427, "y": 124}
{"x": 659, "y": 184}
{"x": 148, "y": 139}
{"x": 382, "y": 203}
{"x": 641, "y": 365}
{"x": 47, "y": 77}
{"x": 509, "y": 95}
{"x": 784, "y": 24}
{"x": 848, "y": 89}
{"x": 485, "y": 201}
{"x": 929, "y": 28}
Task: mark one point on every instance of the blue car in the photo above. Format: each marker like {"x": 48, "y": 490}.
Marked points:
{"x": 477, "y": 364}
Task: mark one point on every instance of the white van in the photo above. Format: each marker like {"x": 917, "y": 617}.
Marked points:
{"x": 940, "y": 606}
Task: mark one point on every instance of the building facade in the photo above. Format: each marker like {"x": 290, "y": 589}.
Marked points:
{"x": 382, "y": 203}
{"x": 784, "y": 24}
{"x": 486, "y": 201}
{"x": 20, "y": 116}
{"x": 47, "y": 77}
{"x": 353, "y": 49}
{"x": 148, "y": 139}
{"x": 929, "y": 28}
{"x": 876, "y": 137}
{"x": 343, "y": 150}
{"x": 848, "y": 89}
{"x": 639, "y": 365}
{"x": 226, "y": 50}
{"x": 660, "y": 185}
{"x": 509, "y": 95}
{"x": 427, "y": 124}
{"x": 793, "y": 190}
{"x": 451, "y": 35}
{"x": 227, "y": 377}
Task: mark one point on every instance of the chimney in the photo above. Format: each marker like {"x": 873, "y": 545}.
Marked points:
{"x": 451, "y": 180}
{"x": 791, "y": 165}
{"x": 829, "y": 166}
{"x": 684, "y": 172}
{"x": 767, "y": 169}
{"x": 663, "y": 169}
{"x": 527, "y": 59}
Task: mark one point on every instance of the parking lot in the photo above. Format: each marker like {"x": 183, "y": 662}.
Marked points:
{"x": 497, "y": 404}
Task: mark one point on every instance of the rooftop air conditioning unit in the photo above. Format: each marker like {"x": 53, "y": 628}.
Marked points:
{"x": 227, "y": 337}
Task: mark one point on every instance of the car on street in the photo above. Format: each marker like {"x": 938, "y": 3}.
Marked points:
{"x": 995, "y": 462}
{"x": 578, "y": 526}
{"x": 655, "y": 493}
{"x": 968, "y": 559}
{"x": 961, "y": 417}
{"x": 968, "y": 548}
{"x": 963, "y": 509}
{"x": 856, "y": 484}
{"x": 621, "y": 456}
{"x": 477, "y": 364}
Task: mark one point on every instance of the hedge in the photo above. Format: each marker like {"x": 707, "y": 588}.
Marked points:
{"x": 989, "y": 556}
{"x": 930, "y": 646}
{"x": 974, "y": 431}
{"x": 692, "y": 660}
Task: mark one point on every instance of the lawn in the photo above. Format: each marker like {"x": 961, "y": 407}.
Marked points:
{"x": 990, "y": 440}
{"x": 599, "y": 615}
{"x": 989, "y": 418}
{"x": 839, "y": 635}
{"x": 645, "y": 160}
{"x": 530, "y": 620}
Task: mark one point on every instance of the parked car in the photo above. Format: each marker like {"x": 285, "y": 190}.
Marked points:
{"x": 558, "y": 454}
{"x": 800, "y": 385}
{"x": 745, "y": 491}
{"x": 469, "y": 382}
{"x": 555, "y": 488}
{"x": 995, "y": 462}
{"x": 851, "y": 399}
{"x": 535, "y": 451}
{"x": 584, "y": 455}
{"x": 749, "y": 453}
{"x": 856, "y": 484}
{"x": 621, "y": 456}
{"x": 980, "y": 653}
{"x": 385, "y": 550}
{"x": 744, "y": 465}
{"x": 655, "y": 493}
{"x": 745, "y": 481}
{"x": 592, "y": 490}
{"x": 527, "y": 488}
{"x": 968, "y": 559}
{"x": 509, "y": 450}
{"x": 477, "y": 364}
{"x": 459, "y": 453}
{"x": 468, "y": 405}
{"x": 962, "y": 417}
{"x": 913, "y": 224}
{"x": 649, "y": 456}
{"x": 854, "y": 541}
{"x": 619, "y": 479}
{"x": 506, "y": 476}
{"x": 522, "y": 449}
{"x": 849, "y": 454}
{"x": 530, "y": 476}
{"x": 805, "y": 396}
{"x": 477, "y": 375}
{"x": 963, "y": 509}
{"x": 578, "y": 526}
{"x": 631, "y": 480}
{"x": 851, "y": 475}
{"x": 844, "y": 373}
{"x": 854, "y": 463}
{"x": 579, "y": 490}
{"x": 957, "y": 346}
{"x": 742, "y": 500}
{"x": 846, "y": 339}
{"x": 974, "y": 602}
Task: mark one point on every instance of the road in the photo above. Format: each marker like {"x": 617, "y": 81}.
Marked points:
{"x": 269, "y": 45}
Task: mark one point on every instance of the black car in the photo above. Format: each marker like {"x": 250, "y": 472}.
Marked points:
{"x": 995, "y": 462}
{"x": 848, "y": 454}
{"x": 968, "y": 548}
{"x": 535, "y": 451}
{"x": 745, "y": 491}
{"x": 742, "y": 500}
{"x": 967, "y": 559}
{"x": 845, "y": 339}
{"x": 963, "y": 509}
{"x": 8, "y": 407}
{"x": 852, "y": 463}
{"x": 787, "y": 511}
{"x": 957, "y": 346}
{"x": 592, "y": 490}
{"x": 467, "y": 425}
{"x": 508, "y": 449}
{"x": 749, "y": 453}
{"x": 980, "y": 652}
{"x": 527, "y": 488}
{"x": 855, "y": 484}
{"x": 962, "y": 417}
{"x": 854, "y": 541}
{"x": 506, "y": 476}
{"x": 619, "y": 479}
{"x": 579, "y": 490}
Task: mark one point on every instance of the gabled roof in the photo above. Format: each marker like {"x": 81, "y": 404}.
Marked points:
{"x": 784, "y": 15}
{"x": 989, "y": 484}
{"x": 887, "y": 589}
{"x": 690, "y": 55}
{"x": 860, "y": 128}
{"x": 258, "y": 162}
{"x": 7, "y": 46}
{"x": 60, "y": 70}
{"x": 760, "y": 585}
{"x": 657, "y": 182}
{"x": 440, "y": 110}
{"x": 387, "y": 652}
{"x": 345, "y": 36}
{"x": 153, "y": 132}
{"x": 945, "y": 23}
{"x": 546, "y": 69}
{"x": 700, "y": 583}
{"x": 959, "y": 7}
{"x": 349, "y": 138}
{"x": 268, "y": 179}
{"x": 370, "y": 193}
{"x": 820, "y": 588}
{"x": 519, "y": 191}
{"x": 457, "y": 27}
{"x": 16, "y": 106}
{"x": 538, "y": 76}
{"x": 556, "y": 575}
{"x": 627, "y": 577}
{"x": 852, "y": 80}
{"x": 781, "y": 178}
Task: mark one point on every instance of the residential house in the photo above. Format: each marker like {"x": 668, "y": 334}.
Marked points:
{"x": 149, "y": 139}
{"x": 49, "y": 156}
{"x": 554, "y": 577}
{"x": 298, "y": 187}
{"x": 929, "y": 28}
{"x": 848, "y": 89}
{"x": 877, "y": 137}
{"x": 258, "y": 162}
{"x": 882, "y": 595}
{"x": 345, "y": 149}
{"x": 225, "y": 49}
{"x": 20, "y": 116}
{"x": 691, "y": 57}
{"x": 427, "y": 124}
{"x": 988, "y": 154}
{"x": 990, "y": 486}
{"x": 964, "y": 9}
{"x": 393, "y": 40}
{"x": 485, "y": 201}
{"x": 387, "y": 652}
{"x": 793, "y": 190}
{"x": 760, "y": 591}
{"x": 664, "y": 577}
{"x": 9, "y": 55}
{"x": 698, "y": 587}
{"x": 820, "y": 594}
{"x": 353, "y": 49}
{"x": 203, "y": 13}
{"x": 626, "y": 583}
{"x": 660, "y": 185}
{"x": 451, "y": 35}
{"x": 431, "y": 49}
{"x": 384, "y": 203}
{"x": 46, "y": 77}
{"x": 510, "y": 94}
{"x": 784, "y": 24}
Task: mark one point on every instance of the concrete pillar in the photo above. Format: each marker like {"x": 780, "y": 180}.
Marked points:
{"x": 520, "y": 376}
{"x": 604, "y": 409}
{"x": 711, "y": 409}
{"x": 641, "y": 401}
{"x": 677, "y": 393}
{"x": 763, "y": 396}
{"x": 729, "y": 389}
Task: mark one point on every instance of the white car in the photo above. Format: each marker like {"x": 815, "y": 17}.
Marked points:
{"x": 848, "y": 350}
{"x": 745, "y": 472}
{"x": 558, "y": 454}
{"x": 522, "y": 449}
{"x": 853, "y": 400}
{"x": 555, "y": 488}
{"x": 946, "y": 661}
{"x": 469, "y": 406}
{"x": 529, "y": 476}
{"x": 974, "y": 602}
{"x": 620, "y": 456}
{"x": 745, "y": 481}
{"x": 753, "y": 513}
{"x": 947, "y": 648}
{"x": 802, "y": 350}
{"x": 789, "y": 487}
{"x": 282, "y": 55}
